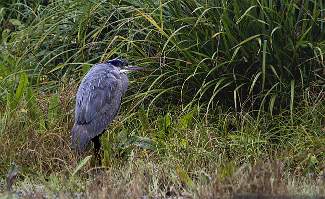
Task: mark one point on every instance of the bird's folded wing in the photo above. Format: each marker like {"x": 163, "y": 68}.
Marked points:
{"x": 94, "y": 97}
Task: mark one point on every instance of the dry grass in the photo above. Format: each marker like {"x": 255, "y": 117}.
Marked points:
{"x": 145, "y": 179}
{"x": 200, "y": 168}
{"x": 43, "y": 149}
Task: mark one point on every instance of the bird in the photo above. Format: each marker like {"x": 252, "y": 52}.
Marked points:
{"x": 98, "y": 101}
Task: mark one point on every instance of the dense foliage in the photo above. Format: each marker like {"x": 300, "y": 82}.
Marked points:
{"x": 228, "y": 83}
{"x": 239, "y": 53}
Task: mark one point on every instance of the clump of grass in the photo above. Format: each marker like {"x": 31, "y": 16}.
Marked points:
{"x": 252, "y": 54}
{"x": 177, "y": 154}
{"x": 139, "y": 178}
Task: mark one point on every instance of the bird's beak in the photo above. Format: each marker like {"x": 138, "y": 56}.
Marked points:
{"x": 132, "y": 68}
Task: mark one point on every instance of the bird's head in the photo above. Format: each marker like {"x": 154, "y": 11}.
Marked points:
{"x": 123, "y": 65}
{"x": 117, "y": 62}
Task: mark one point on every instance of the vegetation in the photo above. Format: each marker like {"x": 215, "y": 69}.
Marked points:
{"x": 233, "y": 100}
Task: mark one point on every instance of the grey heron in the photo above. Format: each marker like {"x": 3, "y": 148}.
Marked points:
{"x": 98, "y": 101}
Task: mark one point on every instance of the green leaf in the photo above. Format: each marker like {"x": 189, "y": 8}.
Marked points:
{"x": 185, "y": 120}
{"x": 247, "y": 40}
{"x": 168, "y": 122}
{"x": 85, "y": 68}
{"x": 15, "y": 22}
{"x": 23, "y": 83}
{"x": 32, "y": 105}
{"x": 81, "y": 164}
{"x": 183, "y": 143}
{"x": 184, "y": 177}
{"x": 245, "y": 13}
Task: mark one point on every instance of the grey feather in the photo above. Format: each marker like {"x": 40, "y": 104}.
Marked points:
{"x": 97, "y": 102}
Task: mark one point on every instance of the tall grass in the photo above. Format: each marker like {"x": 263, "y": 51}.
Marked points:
{"x": 243, "y": 54}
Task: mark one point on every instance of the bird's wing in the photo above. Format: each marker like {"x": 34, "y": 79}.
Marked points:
{"x": 96, "y": 94}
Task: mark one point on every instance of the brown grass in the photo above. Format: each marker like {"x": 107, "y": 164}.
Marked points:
{"x": 46, "y": 163}
{"x": 141, "y": 179}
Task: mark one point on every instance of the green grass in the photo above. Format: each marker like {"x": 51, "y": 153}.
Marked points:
{"x": 232, "y": 102}
{"x": 177, "y": 150}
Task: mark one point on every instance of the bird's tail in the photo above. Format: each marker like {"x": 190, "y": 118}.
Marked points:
{"x": 80, "y": 137}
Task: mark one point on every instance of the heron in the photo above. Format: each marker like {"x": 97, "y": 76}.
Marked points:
{"x": 98, "y": 101}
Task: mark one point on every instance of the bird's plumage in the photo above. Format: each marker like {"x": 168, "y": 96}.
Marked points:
{"x": 97, "y": 102}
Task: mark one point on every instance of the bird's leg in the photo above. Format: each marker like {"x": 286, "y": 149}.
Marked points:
{"x": 97, "y": 149}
